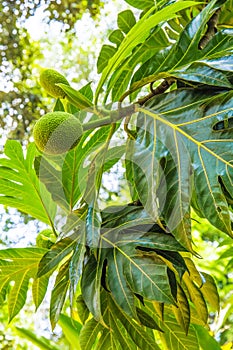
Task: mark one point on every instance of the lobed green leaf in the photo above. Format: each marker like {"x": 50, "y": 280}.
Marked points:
{"x": 20, "y": 187}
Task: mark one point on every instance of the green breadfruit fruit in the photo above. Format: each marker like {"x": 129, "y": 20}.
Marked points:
{"x": 48, "y": 80}
{"x": 45, "y": 239}
{"x": 57, "y": 132}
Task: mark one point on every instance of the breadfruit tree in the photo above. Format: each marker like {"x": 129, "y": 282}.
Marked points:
{"x": 163, "y": 109}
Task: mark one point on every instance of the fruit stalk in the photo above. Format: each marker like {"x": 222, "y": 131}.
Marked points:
{"x": 114, "y": 116}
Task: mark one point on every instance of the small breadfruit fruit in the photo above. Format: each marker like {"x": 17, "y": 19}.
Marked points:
{"x": 57, "y": 132}
{"x": 45, "y": 239}
{"x": 48, "y": 80}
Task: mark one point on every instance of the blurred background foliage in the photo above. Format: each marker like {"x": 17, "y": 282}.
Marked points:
{"x": 20, "y": 96}
{"x": 22, "y": 102}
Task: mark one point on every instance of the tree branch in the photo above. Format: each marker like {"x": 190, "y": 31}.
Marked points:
{"x": 211, "y": 30}
{"x": 114, "y": 116}
{"x": 159, "y": 90}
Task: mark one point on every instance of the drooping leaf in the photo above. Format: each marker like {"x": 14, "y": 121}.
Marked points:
{"x": 91, "y": 287}
{"x": 120, "y": 333}
{"x": 94, "y": 181}
{"x": 59, "y": 292}
{"x": 51, "y": 177}
{"x": 193, "y": 272}
{"x": 182, "y": 312}
{"x": 146, "y": 274}
{"x": 196, "y": 297}
{"x": 76, "y": 265}
{"x": 20, "y": 187}
{"x": 170, "y": 339}
{"x": 93, "y": 224}
{"x": 210, "y": 291}
{"x": 71, "y": 329}
{"x": 89, "y": 334}
{"x": 56, "y": 254}
{"x": 18, "y": 265}
{"x": 39, "y": 289}
{"x": 206, "y": 341}
{"x": 147, "y": 320}
{"x": 82, "y": 309}
{"x": 121, "y": 291}
{"x": 130, "y": 239}
{"x": 136, "y": 332}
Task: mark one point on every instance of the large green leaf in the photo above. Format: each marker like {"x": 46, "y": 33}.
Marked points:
{"x": 18, "y": 265}
{"x": 138, "y": 33}
{"x": 196, "y": 297}
{"x": 59, "y": 292}
{"x": 89, "y": 333}
{"x": 39, "y": 289}
{"x": 20, "y": 187}
{"x": 197, "y": 125}
{"x": 76, "y": 265}
{"x": 133, "y": 258}
{"x": 203, "y": 74}
{"x": 133, "y": 244}
{"x": 147, "y": 275}
{"x": 137, "y": 333}
{"x": 56, "y": 254}
{"x": 182, "y": 312}
{"x": 71, "y": 330}
{"x": 163, "y": 187}
{"x": 91, "y": 287}
{"x": 178, "y": 59}
{"x": 175, "y": 338}
{"x": 156, "y": 41}
{"x": 210, "y": 292}
{"x": 206, "y": 341}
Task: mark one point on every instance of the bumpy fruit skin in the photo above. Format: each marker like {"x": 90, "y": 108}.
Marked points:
{"x": 48, "y": 79}
{"x": 45, "y": 239}
{"x": 57, "y": 132}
